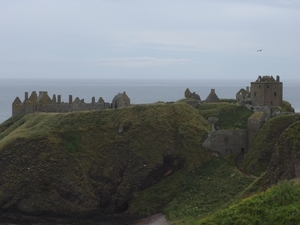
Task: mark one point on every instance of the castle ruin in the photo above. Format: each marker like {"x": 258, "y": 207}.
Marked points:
{"x": 264, "y": 95}
{"x": 265, "y": 91}
{"x": 43, "y": 103}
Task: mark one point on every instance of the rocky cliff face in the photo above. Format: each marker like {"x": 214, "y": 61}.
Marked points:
{"x": 285, "y": 159}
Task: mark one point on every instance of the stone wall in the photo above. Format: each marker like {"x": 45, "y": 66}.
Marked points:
{"x": 43, "y": 103}
{"x": 255, "y": 122}
{"x": 227, "y": 142}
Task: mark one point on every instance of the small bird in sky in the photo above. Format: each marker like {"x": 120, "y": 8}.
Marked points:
{"x": 259, "y": 50}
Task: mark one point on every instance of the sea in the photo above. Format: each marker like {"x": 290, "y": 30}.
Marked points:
{"x": 139, "y": 91}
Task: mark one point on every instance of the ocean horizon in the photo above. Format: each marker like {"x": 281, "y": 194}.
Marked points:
{"x": 140, "y": 91}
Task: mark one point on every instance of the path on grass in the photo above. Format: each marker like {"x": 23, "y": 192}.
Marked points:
{"x": 239, "y": 165}
{"x": 156, "y": 219}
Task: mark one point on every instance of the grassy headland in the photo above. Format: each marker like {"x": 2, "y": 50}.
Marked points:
{"x": 140, "y": 159}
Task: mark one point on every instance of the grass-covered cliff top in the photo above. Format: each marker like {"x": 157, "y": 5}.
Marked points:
{"x": 140, "y": 128}
{"x": 230, "y": 115}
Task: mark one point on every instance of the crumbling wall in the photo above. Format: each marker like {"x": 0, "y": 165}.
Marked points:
{"x": 227, "y": 142}
{"x": 43, "y": 103}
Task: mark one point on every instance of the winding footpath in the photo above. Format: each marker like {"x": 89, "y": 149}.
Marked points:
{"x": 156, "y": 219}
{"x": 239, "y": 165}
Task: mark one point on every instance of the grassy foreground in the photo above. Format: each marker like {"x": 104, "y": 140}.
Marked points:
{"x": 187, "y": 197}
{"x": 278, "y": 205}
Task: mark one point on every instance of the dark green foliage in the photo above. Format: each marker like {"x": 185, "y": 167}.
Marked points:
{"x": 71, "y": 141}
{"x": 9, "y": 125}
{"x": 228, "y": 100}
{"x": 278, "y": 205}
{"x": 230, "y": 116}
{"x": 6, "y": 124}
{"x": 259, "y": 155}
{"x": 186, "y": 196}
{"x": 287, "y": 107}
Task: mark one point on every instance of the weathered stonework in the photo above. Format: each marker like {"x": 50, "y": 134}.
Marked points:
{"x": 255, "y": 122}
{"x": 43, "y": 103}
{"x": 266, "y": 91}
{"x": 227, "y": 142}
{"x": 243, "y": 96}
{"x": 212, "y": 97}
{"x": 120, "y": 100}
{"x": 189, "y": 94}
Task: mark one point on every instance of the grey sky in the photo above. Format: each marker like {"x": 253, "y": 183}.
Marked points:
{"x": 149, "y": 39}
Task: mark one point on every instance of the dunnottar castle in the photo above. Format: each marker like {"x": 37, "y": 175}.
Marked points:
{"x": 264, "y": 97}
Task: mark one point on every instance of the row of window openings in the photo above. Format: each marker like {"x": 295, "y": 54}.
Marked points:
{"x": 275, "y": 94}
{"x": 267, "y": 86}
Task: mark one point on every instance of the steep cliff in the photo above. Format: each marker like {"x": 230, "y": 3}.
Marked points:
{"x": 285, "y": 160}
{"x": 258, "y": 158}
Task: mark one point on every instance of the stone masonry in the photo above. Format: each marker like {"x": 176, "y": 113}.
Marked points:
{"x": 227, "y": 142}
{"x": 43, "y": 103}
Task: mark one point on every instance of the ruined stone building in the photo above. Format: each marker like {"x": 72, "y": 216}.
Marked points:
{"x": 189, "y": 94}
{"x": 265, "y": 94}
{"x": 265, "y": 91}
{"x": 43, "y": 103}
{"x": 227, "y": 142}
{"x": 212, "y": 97}
{"x": 120, "y": 100}
{"x": 243, "y": 96}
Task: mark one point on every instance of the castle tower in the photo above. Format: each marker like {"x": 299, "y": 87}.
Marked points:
{"x": 266, "y": 91}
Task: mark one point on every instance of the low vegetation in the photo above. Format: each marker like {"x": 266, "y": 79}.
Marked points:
{"x": 258, "y": 157}
{"x": 141, "y": 159}
{"x": 187, "y": 197}
{"x": 230, "y": 115}
{"x": 278, "y": 205}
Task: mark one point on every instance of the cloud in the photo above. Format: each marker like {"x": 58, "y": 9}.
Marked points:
{"x": 104, "y": 36}
{"x": 139, "y": 62}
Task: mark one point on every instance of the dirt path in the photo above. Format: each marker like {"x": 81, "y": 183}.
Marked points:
{"x": 156, "y": 219}
{"x": 239, "y": 165}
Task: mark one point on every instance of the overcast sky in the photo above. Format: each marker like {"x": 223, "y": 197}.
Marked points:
{"x": 149, "y": 39}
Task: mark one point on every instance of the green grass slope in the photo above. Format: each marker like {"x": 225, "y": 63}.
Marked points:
{"x": 230, "y": 115}
{"x": 187, "y": 197}
{"x": 78, "y": 163}
{"x": 257, "y": 159}
{"x": 285, "y": 160}
{"x": 278, "y": 205}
